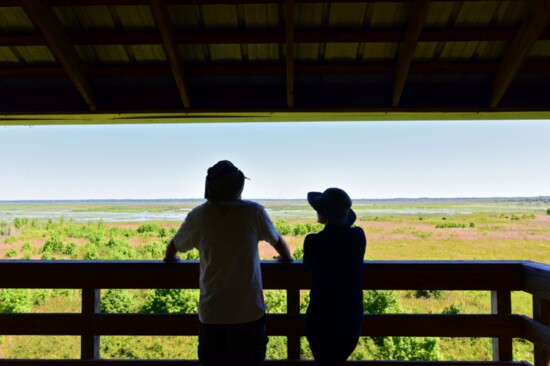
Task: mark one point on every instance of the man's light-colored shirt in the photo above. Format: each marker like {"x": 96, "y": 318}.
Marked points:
{"x": 227, "y": 235}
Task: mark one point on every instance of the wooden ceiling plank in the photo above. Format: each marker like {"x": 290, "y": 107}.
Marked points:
{"x": 45, "y": 20}
{"x": 412, "y": 35}
{"x": 168, "y": 36}
{"x": 518, "y": 50}
{"x": 289, "y": 32}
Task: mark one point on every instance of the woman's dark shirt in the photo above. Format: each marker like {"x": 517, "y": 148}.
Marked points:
{"x": 335, "y": 257}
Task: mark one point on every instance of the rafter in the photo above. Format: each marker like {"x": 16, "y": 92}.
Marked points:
{"x": 289, "y": 32}
{"x": 168, "y": 36}
{"x": 518, "y": 50}
{"x": 56, "y": 38}
{"x": 416, "y": 23}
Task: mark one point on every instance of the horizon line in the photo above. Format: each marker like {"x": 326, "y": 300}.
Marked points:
{"x": 485, "y": 198}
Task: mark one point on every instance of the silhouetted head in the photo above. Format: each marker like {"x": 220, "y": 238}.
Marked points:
{"x": 334, "y": 205}
{"x": 224, "y": 182}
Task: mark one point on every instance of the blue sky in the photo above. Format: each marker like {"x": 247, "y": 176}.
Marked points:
{"x": 283, "y": 160}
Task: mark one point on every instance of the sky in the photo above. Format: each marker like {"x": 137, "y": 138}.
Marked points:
{"x": 386, "y": 159}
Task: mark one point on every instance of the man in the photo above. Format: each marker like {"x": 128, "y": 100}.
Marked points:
{"x": 226, "y": 231}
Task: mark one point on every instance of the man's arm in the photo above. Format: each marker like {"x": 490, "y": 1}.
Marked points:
{"x": 284, "y": 252}
{"x": 171, "y": 253}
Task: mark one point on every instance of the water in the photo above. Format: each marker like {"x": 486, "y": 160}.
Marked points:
{"x": 176, "y": 210}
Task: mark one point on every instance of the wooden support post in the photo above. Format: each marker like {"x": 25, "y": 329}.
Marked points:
{"x": 289, "y": 31}
{"x": 89, "y": 343}
{"x": 541, "y": 313}
{"x": 501, "y": 303}
{"x": 293, "y": 338}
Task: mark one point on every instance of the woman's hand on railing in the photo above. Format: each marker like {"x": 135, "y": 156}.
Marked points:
{"x": 281, "y": 258}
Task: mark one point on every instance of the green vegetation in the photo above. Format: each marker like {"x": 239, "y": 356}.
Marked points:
{"x": 285, "y": 228}
{"x": 450, "y": 225}
{"x": 118, "y": 301}
{"x": 483, "y": 234}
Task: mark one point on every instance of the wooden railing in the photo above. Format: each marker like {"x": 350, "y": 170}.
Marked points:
{"x": 498, "y": 277}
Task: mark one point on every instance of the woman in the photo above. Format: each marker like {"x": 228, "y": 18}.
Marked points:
{"x": 335, "y": 257}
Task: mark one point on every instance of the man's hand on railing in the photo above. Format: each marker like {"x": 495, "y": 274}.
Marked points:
{"x": 173, "y": 259}
{"x": 284, "y": 252}
{"x": 171, "y": 253}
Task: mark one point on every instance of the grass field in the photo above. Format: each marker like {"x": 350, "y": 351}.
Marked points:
{"x": 419, "y": 230}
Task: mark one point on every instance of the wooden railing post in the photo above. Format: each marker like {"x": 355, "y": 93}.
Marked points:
{"x": 501, "y": 303}
{"x": 89, "y": 343}
{"x": 541, "y": 313}
{"x": 293, "y": 339}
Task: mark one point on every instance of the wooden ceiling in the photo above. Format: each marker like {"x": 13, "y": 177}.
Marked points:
{"x": 213, "y": 59}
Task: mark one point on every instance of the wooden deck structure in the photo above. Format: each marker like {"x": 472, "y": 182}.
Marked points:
{"x": 498, "y": 277}
{"x": 129, "y": 61}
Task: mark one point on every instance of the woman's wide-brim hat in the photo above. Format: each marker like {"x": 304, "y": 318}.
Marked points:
{"x": 334, "y": 205}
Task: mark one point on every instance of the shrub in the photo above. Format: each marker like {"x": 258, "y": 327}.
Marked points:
{"x": 149, "y": 227}
{"x": 472, "y": 225}
{"x": 116, "y": 242}
{"x": 163, "y": 233}
{"x": 548, "y": 211}
{"x": 117, "y": 301}
{"x": 283, "y": 227}
{"x": 299, "y": 229}
{"x": 20, "y": 222}
{"x": 314, "y": 228}
{"x": 409, "y": 348}
{"x": 153, "y": 250}
{"x": 381, "y": 302}
{"x": 122, "y": 252}
{"x": 172, "y": 301}
{"x": 70, "y": 249}
{"x": 10, "y": 240}
{"x": 454, "y": 308}
{"x": 46, "y": 256}
{"x": 191, "y": 255}
{"x": 54, "y": 244}
{"x": 27, "y": 246}
{"x": 275, "y": 301}
{"x": 117, "y": 231}
{"x": 436, "y": 294}
{"x": 15, "y": 301}
{"x": 450, "y": 225}
{"x": 40, "y": 296}
{"x": 299, "y": 254}
{"x": 11, "y": 253}
{"x": 90, "y": 252}
{"x": 34, "y": 223}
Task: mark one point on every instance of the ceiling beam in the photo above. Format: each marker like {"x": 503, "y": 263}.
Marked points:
{"x": 412, "y": 35}
{"x": 12, "y": 3}
{"x": 45, "y": 20}
{"x": 289, "y": 33}
{"x": 168, "y": 36}
{"x": 449, "y": 34}
{"x": 336, "y": 68}
{"x": 519, "y": 48}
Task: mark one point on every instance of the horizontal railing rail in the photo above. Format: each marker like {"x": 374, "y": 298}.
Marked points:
{"x": 499, "y": 277}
